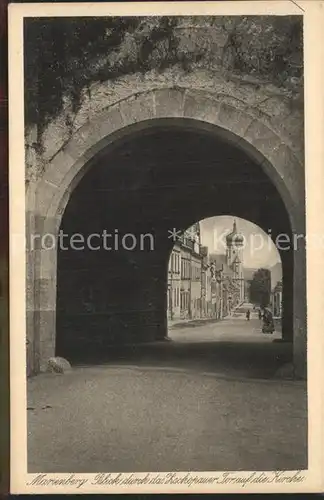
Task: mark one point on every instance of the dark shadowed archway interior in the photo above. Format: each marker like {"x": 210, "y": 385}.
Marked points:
{"x": 161, "y": 178}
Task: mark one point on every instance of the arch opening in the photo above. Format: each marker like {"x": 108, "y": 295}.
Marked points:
{"x": 224, "y": 268}
{"x": 129, "y": 200}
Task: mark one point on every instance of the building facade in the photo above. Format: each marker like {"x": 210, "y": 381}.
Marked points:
{"x": 276, "y": 300}
{"x": 203, "y": 285}
{"x": 185, "y": 276}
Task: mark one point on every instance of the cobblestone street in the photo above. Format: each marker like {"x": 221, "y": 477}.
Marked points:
{"x": 199, "y": 402}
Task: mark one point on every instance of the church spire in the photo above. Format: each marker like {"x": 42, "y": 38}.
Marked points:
{"x": 234, "y": 238}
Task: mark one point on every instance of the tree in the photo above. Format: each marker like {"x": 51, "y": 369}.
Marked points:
{"x": 260, "y": 287}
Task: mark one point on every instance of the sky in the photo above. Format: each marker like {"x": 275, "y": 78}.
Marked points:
{"x": 259, "y": 250}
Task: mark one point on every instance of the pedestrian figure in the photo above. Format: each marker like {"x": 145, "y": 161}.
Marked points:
{"x": 248, "y": 315}
{"x": 268, "y": 324}
{"x": 260, "y": 314}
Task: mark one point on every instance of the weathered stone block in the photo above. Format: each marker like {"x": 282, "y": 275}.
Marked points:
{"x": 45, "y": 294}
{"x": 38, "y": 230}
{"x": 45, "y": 321}
{"x": 293, "y": 128}
{"x": 44, "y": 195}
{"x": 169, "y": 102}
{"x": 30, "y": 198}
{"x": 292, "y": 171}
{"x": 50, "y": 225}
{"x": 83, "y": 145}
{"x": 265, "y": 141}
{"x": 200, "y": 107}
{"x": 288, "y": 124}
{"x": 30, "y": 291}
{"x": 43, "y": 325}
{"x": 58, "y": 365}
{"x": 43, "y": 225}
{"x": 62, "y": 204}
{"x": 29, "y": 228}
{"x": 234, "y": 102}
{"x": 54, "y": 136}
{"x": 137, "y": 108}
{"x": 30, "y": 358}
{"x": 47, "y": 262}
{"x": 258, "y": 131}
{"x": 30, "y": 327}
{"x": 274, "y": 106}
{"x": 93, "y": 131}
{"x": 232, "y": 119}
{"x": 59, "y": 201}
{"x": 267, "y": 145}
{"x": 57, "y": 168}
{"x": 44, "y": 239}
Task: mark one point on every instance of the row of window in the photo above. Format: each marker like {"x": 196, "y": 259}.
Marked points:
{"x": 186, "y": 273}
{"x": 174, "y": 263}
{"x": 173, "y": 298}
{"x": 194, "y": 273}
{"x": 182, "y": 298}
{"x": 185, "y": 269}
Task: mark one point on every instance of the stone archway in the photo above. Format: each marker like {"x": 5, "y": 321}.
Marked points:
{"x": 48, "y": 197}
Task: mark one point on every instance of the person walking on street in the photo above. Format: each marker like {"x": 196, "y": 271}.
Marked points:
{"x": 248, "y": 313}
{"x": 268, "y": 323}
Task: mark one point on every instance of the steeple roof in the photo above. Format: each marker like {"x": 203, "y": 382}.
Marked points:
{"x": 234, "y": 237}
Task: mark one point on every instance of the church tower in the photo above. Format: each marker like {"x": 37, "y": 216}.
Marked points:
{"x": 235, "y": 243}
{"x": 234, "y": 257}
